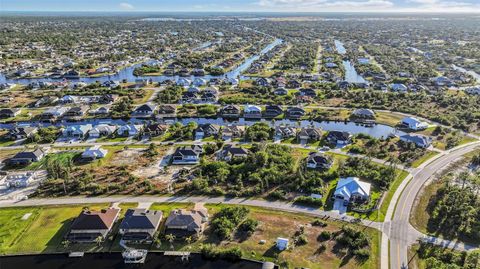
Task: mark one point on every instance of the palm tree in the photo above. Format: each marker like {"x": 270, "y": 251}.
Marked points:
{"x": 188, "y": 240}
{"x": 170, "y": 238}
{"x": 66, "y": 243}
{"x": 99, "y": 240}
{"x": 157, "y": 242}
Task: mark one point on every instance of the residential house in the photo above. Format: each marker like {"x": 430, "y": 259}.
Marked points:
{"x": 351, "y": 189}
{"x": 144, "y": 111}
{"x": 230, "y": 152}
{"x": 317, "y": 160}
{"x": 252, "y": 112}
{"x": 295, "y": 112}
{"x": 155, "y": 129}
{"x": 102, "y": 130}
{"x": 398, "y": 87}
{"x": 199, "y": 82}
{"x": 421, "y": 141}
{"x": 230, "y": 111}
{"x": 414, "y": 124}
{"x": 208, "y": 97}
{"x": 140, "y": 225}
{"x": 77, "y": 131}
{"x": 90, "y": 225}
{"x": 76, "y": 112}
{"x": 206, "y": 130}
{"x": 183, "y": 222}
{"x": 309, "y": 134}
{"x": 364, "y": 113}
{"x": 230, "y": 132}
{"x": 102, "y": 110}
{"x": 68, "y": 99}
{"x": 129, "y": 130}
{"x": 54, "y": 113}
{"x": 339, "y": 138}
{"x": 27, "y": 157}
{"x": 285, "y": 131}
{"x": 307, "y": 92}
{"x": 167, "y": 111}
{"x": 280, "y": 91}
{"x": 183, "y": 82}
{"x": 293, "y": 84}
{"x": 264, "y": 82}
{"x": 93, "y": 153}
{"x": 9, "y": 112}
{"x": 189, "y": 97}
{"x": 21, "y": 132}
{"x": 187, "y": 154}
{"x": 108, "y": 98}
{"x": 46, "y": 100}
{"x": 272, "y": 111}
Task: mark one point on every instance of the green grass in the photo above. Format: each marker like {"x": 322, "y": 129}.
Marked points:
{"x": 166, "y": 208}
{"x": 45, "y": 229}
{"x": 388, "y": 196}
{"x": 427, "y": 156}
{"x": 12, "y": 226}
{"x": 61, "y": 156}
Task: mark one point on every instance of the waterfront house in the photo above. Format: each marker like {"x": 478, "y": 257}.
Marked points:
{"x": 189, "y": 97}
{"x": 129, "y": 130}
{"x": 193, "y": 89}
{"x": 284, "y": 132}
{"x": 264, "y": 82}
{"x": 414, "y": 124}
{"x": 351, "y": 189}
{"x": 272, "y": 111}
{"x": 309, "y": 134}
{"x": 54, "y": 113}
{"x": 103, "y": 110}
{"x": 76, "y": 111}
{"x": 208, "y": 97}
{"x": 421, "y": 141}
{"x": 339, "y": 138}
{"x": 9, "y": 112}
{"x": 45, "y": 101}
{"x": 21, "y": 132}
{"x": 102, "y": 130}
{"x": 230, "y": 111}
{"x": 187, "y": 154}
{"x": 27, "y": 157}
{"x": 183, "y": 82}
{"x": 77, "y": 131}
{"x": 199, "y": 82}
{"x": 140, "y": 225}
{"x": 155, "y": 129}
{"x": 363, "y": 113}
{"x": 319, "y": 161}
{"x": 183, "y": 222}
{"x": 93, "y": 153}
{"x": 295, "y": 112}
{"x": 90, "y": 225}
{"x": 230, "y": 152}
{"x": 252, "y": 112}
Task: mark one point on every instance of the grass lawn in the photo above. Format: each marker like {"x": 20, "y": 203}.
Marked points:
{"x": 43, "y": 231}
{"x": 427, "y": 156}
{"x": 388, "y": 196}
{"x": 61, "y": 156}
{"x": 388, "y": 118}
{"x": 12, "y": 226}
{"x": 274, "y": 224}
{"x": 166, "y": 208}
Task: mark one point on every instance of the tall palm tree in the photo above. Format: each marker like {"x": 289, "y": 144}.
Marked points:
{"x": 66, "y": 243}
{"x": 170, "y": 238}
{"x": 188, "y": 240}
{"x": 99, "y": 240}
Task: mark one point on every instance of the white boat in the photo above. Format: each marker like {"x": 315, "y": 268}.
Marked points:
{"x": 134, "y": 255}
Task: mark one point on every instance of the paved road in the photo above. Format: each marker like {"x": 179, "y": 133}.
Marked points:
{"x": 399, "y": 230}
{"x": 277, "y": 205}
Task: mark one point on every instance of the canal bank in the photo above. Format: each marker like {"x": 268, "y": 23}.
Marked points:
{"x": 154, "y": 260}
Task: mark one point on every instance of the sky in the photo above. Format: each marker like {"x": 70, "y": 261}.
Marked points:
{"x": 244, "y": 5}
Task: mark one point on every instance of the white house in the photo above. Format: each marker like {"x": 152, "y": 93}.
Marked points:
{"x": 183, "y": 82}
{"x": 95, "y": 152}
{"x": 199, "y": 82}
{"x": 413, "y": 123}
{"x": 398, "y": 87}
{"x": 282, "y": 243}
{"x": 77, "y": 131}
{"x": 102, "y": 130}
{"x": 419, "y": 140}
{"x": 352, "y": 189}
{"x": 129, "y": 130}
{"x": 251, "y": 111}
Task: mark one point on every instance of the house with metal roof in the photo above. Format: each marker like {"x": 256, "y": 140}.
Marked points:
{"x": 351, "y": 189}
{"x": 140, "y": 225}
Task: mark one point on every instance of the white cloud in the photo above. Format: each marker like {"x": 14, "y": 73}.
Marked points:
{"x": 126, "y": 6}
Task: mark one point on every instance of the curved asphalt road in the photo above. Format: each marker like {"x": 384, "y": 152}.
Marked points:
{"x": 399, "y": 230}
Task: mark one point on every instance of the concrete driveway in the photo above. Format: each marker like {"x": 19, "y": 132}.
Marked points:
{"x": 339, "y": 206}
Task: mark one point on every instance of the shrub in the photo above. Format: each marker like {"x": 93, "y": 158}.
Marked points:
{"x": 307, "y": 200}
{"x": 249, "y": 226}
{"x": 324, "y": 236}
